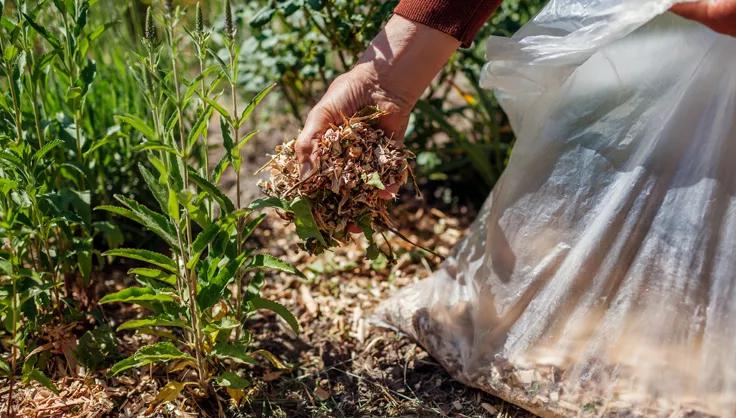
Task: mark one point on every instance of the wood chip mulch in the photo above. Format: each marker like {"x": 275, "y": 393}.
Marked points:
{"x": 342, "y": 365}
{"x": 339, "y": 364}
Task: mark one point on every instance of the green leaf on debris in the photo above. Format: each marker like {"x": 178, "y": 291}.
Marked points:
{"x": 234, "y": 351}
{"x": 232, "y": 381}
{"x": 156, "y": 353}
{"x": 306, "y": 226}
{"x": 373, "y": 179}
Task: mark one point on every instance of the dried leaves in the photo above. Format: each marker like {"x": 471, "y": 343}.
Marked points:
{"x": 355, "y": 163}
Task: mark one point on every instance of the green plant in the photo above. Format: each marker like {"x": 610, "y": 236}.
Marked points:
{"x": 49, "y": 173}
{"x": 201, "y": 291}
{"x": 304, "y": 44}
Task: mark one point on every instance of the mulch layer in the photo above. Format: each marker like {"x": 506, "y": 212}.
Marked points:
{"x": 339, "y": 365}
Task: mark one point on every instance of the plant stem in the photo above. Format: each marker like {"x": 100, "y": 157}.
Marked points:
{"x": 239, "y": 228}
{"x": 205, "y": 136}
{"x": 78, "y": 132}
{"x": 19, "y": 132}
{"x": 184, "y": 251}
{"x": 13, "y": 345}
{"x": 180, "y": 116}
{"x": 55, "y": 273}
{"x": 192, "y": 288}
{"x": 33, "y": 84}
{"x": 37, "y": 118}
{"x": 14, "y": 97}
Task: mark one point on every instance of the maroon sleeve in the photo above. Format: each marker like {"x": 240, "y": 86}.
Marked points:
{"x": 461, "y": 19}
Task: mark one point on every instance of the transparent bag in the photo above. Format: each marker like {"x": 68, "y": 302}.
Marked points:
{"x": 600, "y": 276}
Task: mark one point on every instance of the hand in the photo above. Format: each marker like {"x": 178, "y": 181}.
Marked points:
{"x": 392, "y": 74}
{"x": 719, "y": 15}
{"x": 349, "y": 94}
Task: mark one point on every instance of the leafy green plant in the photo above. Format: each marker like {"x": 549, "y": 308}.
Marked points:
{"x": 304, "y": 44}
{"x": 200, "y": 292}
{"x": 50, "y": 171}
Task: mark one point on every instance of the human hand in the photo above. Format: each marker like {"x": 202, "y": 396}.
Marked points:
{"x": 391, "y": 74}
{"x": 346, "y": 96}
{"x": 719, "y": 15}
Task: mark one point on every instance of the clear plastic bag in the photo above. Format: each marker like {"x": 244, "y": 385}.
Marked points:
{"x": 600, "y": 276}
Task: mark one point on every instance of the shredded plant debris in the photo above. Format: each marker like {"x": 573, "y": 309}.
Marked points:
{"x": 356, "y": 166}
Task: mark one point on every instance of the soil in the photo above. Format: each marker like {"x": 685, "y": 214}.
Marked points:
{"x": 344, "y": 365}
{"x": 339, "y": 365}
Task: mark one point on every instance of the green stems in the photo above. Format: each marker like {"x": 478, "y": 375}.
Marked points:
{"x": 238, "y": 204}
{"x": 36, "y": 116}
{"x": 204, "y": 137}
{"x": 14, "y": 341}
{"x": 78, "y": 138}
{"x": 185, "y": 244}
{"x": 182, "y": 140}
{"x": 14, "y": 96}
{"x": 192, "y": 295}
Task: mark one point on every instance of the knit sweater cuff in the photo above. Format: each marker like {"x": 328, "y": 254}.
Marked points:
{"x": 461, "y": 19}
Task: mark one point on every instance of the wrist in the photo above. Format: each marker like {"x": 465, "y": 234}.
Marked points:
{"x": 404, "y": 58}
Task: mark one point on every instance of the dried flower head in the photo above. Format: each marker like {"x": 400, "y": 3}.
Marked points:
{"x": 355, "y": 162}
{"x": 199, "y": 21}
{"x": 149, "y": 31}
{"x": 229, "y": 25}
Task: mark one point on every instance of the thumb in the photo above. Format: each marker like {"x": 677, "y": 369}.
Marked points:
{"x": 693, "y": 10}
{"x": 305, "y": 146}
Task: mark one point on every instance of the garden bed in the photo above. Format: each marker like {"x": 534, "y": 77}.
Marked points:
{"x": 338, "y": 365}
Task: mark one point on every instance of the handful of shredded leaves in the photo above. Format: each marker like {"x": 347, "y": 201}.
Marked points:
{"x": 355, "y": 162}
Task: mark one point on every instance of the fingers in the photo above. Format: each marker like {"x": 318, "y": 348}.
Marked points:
{"x": 317, "y": 122}
{"x": 695, "y": 11}
{"x": 719, "y": 15}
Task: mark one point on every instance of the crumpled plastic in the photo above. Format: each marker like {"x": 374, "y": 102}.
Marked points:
{"x": 599, "y": 278}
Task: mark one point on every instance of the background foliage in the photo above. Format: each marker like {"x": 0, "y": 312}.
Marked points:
{"x": 458, "y": 131}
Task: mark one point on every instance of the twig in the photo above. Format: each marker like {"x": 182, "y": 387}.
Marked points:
{"x": 300, "y": 182}
{"x": 402, "y": 236}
